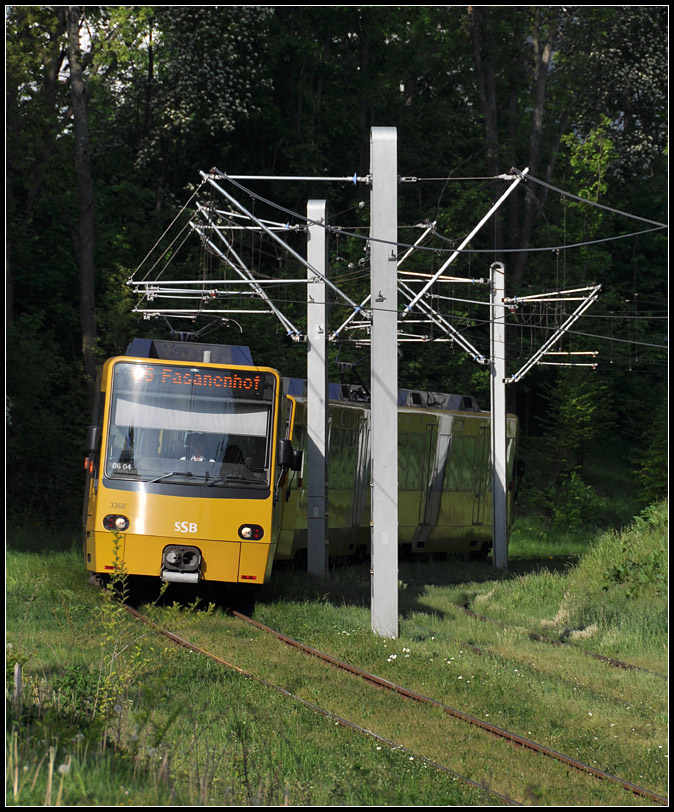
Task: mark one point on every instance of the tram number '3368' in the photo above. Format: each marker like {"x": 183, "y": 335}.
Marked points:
{"x": 185, "y": 527}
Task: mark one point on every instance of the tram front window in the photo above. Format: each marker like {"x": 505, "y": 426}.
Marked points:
{"x": 192, "y": 426}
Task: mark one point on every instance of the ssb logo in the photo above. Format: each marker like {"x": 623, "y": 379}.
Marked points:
{"x": 185, "y": 527}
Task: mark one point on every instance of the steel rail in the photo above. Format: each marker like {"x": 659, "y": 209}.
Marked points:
{"x": 496, "y": 731}
{"x": 322, "y": 711}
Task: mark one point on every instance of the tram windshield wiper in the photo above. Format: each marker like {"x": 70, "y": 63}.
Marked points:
{"x": 235, "y": 478}
{"x": 171, "y": 473}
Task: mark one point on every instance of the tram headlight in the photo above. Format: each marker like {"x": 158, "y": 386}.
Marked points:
{"x": 251, "y": 532}
{"x": 114, "y": 521}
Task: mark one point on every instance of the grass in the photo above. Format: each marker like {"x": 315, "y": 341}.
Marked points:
{"x": 183, "y": 731}
{"x": 613, "y": 601}
{"x": 111, "y": 715}
{"x": 533, "y": 537}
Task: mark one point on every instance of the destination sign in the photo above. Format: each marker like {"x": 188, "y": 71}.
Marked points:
{"x": 228, "y": 379}
{"x": 166, "y": 378}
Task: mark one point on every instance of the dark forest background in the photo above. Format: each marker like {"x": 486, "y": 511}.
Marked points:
{"x": 111, "y": 112}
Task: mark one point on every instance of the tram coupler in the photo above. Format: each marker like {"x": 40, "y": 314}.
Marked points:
{"x": 181, "y": 564}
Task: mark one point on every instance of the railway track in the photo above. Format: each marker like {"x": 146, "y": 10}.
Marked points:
{"x": 539, "y": 638}
{"x": 316, "y": 708}
{"x": 513, "y": 738}
{"x": 508, "y": 736}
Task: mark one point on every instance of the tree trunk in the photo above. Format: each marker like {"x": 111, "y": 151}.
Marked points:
{"x": 483, "y": 50}
{"x": 542, "y": 53}
{"x": 52, "y": 57}
{"x": 85, "y": 196}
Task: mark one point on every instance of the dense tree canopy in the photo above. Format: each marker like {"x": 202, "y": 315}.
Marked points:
{"x": 112, "y": 111}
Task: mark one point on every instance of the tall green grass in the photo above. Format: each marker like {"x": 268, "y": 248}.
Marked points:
{"x": 614, "y": 599}
{"x": 620, "y": 586}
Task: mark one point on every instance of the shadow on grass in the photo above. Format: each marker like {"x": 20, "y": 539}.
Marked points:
{"x": 143, "y": 592}
{"x": 350, "y": 584}
{"x": 347, "y": 584}
{"x": 41, "y": 539}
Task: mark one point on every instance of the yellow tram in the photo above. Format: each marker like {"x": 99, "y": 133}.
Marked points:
{"x": 190, "y": 457}
{"x": 444, "y": 475}
{"x": 187, "y": 457}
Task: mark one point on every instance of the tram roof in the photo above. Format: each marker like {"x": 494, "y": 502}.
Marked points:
{"x": 241, "y": 356}
{"x": 353, "y": 393}
{"x": 190, "y": 351}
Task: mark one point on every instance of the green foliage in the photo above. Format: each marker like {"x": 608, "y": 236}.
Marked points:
{"x": 44, "y": 434}
{"x": 623, "y": 576}
{"x": 652, "y": 463}
{"x": 597, "y": 496}
{"x": 639, "y": 563}
{"x": 575, "y": 504}
{"x": 202, "y": 74}
{"x": 629, "y": 79}
{"x": 77, "y": 690}
{"x": 295, "y": 90}
{"x": 577, "y": 413}
{"x": 589, "y": 159}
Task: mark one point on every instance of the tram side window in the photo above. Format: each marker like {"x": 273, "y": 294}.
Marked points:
{"x": 343, "y": 457}
{"x": 484, "y": 467}
{"x": 334, "y": 455}
{"x": 461, "y": 464}
{"x": 510, "y": 456}
{"x": 411, "y": 456}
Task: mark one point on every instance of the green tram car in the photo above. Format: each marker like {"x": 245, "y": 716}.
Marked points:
{"x": 444, "y": 475}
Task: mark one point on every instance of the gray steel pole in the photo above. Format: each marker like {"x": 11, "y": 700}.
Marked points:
{"x": 316, "y": 470}
{"x": 499, "y": 499}
{"x": 384, "y": 379}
